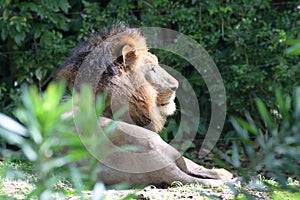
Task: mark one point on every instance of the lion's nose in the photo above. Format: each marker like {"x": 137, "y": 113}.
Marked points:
{"x": 173, "y": 84}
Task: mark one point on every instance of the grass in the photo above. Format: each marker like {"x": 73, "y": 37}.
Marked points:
{"x": 18, "y": 180}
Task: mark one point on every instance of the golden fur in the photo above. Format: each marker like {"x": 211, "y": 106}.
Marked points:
{"x": 130, "y": 74}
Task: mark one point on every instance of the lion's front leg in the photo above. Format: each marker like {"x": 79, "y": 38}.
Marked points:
{"x": 166, "y": 175}
{"x": 196, "y": 170}
{"x": 153, "y": 162}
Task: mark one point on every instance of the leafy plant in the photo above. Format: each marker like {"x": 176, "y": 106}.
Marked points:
{"x": 294, "y": 50}
{"x": 51, "y": 142}
{"x": 272, "y": 145}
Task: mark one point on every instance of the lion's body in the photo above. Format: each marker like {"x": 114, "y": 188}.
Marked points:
{"x": 132, "y": 77}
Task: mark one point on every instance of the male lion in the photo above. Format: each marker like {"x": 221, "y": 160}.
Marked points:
{"x": 119, "y": 62}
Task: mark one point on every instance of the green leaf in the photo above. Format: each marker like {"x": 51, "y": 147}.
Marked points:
{"x": 76, "y": 179}
{"x": 19, "y": 38}
{"x": 254, "y": 129}
{"x": 4, "y": 34}
{"x": 235, "y": 155}
{"x": 29, "y": 152}
{"x": 293, "y": 50}
{"x": 297, "y": 103}
{"x": 78, "y": 154}
{"x": 246, "y": 125}
{"x": 243, "y": 133}
{"x": 55, "y": 163}
{"x": 130, "y": 196}
{"x": 292, "y": 41}
{"x": 100, "y": 103}
{"x": 283, "y": 107}
{"x": 38, "y": 74}
{"x": 53, "y": 96}
{"x": 264, "y": 113}
{"x": 21, "y": 142}
{"x": 98, "y": 191}
{"x": 64, "y": 5}
{"x": 32, "y": 106}
{"x": 11, "y": 125}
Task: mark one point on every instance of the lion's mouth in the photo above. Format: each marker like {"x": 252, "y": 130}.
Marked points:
{"x": 164, "y": 104}
{"x": 166, "y": 101}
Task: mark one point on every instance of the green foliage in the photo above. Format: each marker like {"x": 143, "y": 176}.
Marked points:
{"x": 294, "y": 49}
{"x": 52, "y": 143}
{"x": 274, "y": 144}
{"x": 245, "y": 38}
{"x": 33, "y": 43}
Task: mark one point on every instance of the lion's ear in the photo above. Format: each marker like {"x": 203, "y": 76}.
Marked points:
{"x": 129, "y": 55}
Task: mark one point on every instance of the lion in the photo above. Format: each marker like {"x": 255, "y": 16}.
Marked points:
{"x": 133, "y": 78}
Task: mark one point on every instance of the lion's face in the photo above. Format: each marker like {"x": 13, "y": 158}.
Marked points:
{"x": 151, "y": 90}
{"x": 163, "y": 83}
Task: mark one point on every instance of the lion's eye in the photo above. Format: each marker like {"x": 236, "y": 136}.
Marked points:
{"x": 153, "y": 69}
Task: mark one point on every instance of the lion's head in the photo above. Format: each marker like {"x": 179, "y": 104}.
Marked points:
{"x": 130, "y": 74}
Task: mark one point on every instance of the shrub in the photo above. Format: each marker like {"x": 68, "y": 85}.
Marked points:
{"x": 272, "y": 145}
{"x": 52, "y": 143}
{"x": 244, "y": 38}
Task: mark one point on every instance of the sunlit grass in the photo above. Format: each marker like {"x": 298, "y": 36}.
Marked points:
{"x": 20, "y": 180}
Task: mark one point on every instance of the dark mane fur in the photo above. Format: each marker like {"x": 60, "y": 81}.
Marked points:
{"x": 79, "y": 53}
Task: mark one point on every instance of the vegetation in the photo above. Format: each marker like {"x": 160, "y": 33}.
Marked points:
{"x": 272, "y": 146}
{"x": 246, "y": 40}
{"x": 21, "y": 181}
{"x": 255, "y": 45}
{"x": 51, "y": 144}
